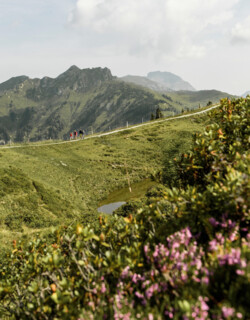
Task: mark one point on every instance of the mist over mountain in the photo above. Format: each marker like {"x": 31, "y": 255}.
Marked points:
{"x": 147, "y": 83}
{"x": 170, "y": 80}
{"x": 245, "y": 94}
{"x": 89, "y": 99}
{"x": 160, "y": 81}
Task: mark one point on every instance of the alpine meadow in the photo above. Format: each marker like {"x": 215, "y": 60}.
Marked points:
{"x": 178, "y": 248}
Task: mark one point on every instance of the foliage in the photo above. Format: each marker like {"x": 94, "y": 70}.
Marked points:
{"x": 183, "y": 255}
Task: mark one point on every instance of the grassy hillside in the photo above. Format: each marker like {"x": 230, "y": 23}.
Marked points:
{"x": 202, "y": 96}
{"x": 48, "y": 185}
{"x": 184, "y": 254}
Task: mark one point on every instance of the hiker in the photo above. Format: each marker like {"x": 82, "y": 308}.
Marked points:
{"x": 81, "y": 134}
{"x": 75, "y": 134}
{"x": 70, "y": 136}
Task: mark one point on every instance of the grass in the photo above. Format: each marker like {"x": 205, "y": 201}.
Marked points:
{"x": 52, "y": 185}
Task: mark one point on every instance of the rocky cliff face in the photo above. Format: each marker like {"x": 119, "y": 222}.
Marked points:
{"x": 78, "y": 80}
{"x": 12, "y": 84}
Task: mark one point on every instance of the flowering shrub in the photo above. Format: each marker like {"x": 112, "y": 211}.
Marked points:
{"x": 183, "y": 255}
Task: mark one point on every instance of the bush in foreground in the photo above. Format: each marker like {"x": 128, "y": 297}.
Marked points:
{"x": 184, "y": 255}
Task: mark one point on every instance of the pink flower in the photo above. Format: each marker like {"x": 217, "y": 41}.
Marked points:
{"x": 126, "y": 316}
{"x": 146, "y": 249}
{"x": 213, "y": 245}
{"x": 139, "y": 295}
{"x": 204, "y": 306}
{"x": 125, "y": 272}
{"x": 243, "y": 263}
{"x": 205, "y": 280}
{"x": 227, "y": 311}
{"x": 134, "y": 278}
{"x": 103, "y": 288}
{"x": 150, "y": 316}
{"x": 240, "y": 272}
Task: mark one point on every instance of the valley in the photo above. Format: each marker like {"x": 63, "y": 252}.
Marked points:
{"x": 65, "y": 182}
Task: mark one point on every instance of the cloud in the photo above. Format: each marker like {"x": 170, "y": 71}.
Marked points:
{"x": 177, "y": 28}
{"x": 241, "y": 32}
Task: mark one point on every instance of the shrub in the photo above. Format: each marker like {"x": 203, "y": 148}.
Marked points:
{"x": 183, "y": 255}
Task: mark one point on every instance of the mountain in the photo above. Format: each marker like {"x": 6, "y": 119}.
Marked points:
{"x": 90, "y": 99}
{"x": 170, "y": 80}
{"x": 245, "y": 94}
{"x": 74, "y": 79}
{"x": 12, "y": 83}
{"x": 160, "y": 82}
{"x": 146, "y": 83}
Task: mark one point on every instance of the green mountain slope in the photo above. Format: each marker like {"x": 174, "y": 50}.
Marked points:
{"x": 196, "y": 98}
{"x": 50, "y": 108}
{"x": 58, "y": 184}
{"x": 89, "y": 99}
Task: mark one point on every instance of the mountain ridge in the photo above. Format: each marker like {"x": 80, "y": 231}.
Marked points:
{"x": 91, "y": 99}
{"x": 171, "y": 80}
{"x": 146, "y": 82}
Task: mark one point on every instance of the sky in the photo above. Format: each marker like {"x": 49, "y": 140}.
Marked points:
{"x": 206, "y": 42}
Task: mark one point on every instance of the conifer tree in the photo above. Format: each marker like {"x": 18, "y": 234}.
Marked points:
{"x": 158, "y": 113}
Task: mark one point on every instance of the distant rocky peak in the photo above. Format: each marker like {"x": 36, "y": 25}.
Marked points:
{"x": 73, "y": 68}
{"x": 12, "y": 83}
{"x": 75, "y": 79}
{"x": 173, "y": 81}
{"x": 99, "y": 73}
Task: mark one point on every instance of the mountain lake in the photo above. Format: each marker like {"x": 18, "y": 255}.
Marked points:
{"x": 119, "y": 197}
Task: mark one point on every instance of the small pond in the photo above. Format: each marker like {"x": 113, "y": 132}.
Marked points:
{"x": 111, "y": 207}
{"x": 119, "y": 197}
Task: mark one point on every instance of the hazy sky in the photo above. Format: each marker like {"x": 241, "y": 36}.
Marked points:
{"x": 206, "y": 42}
